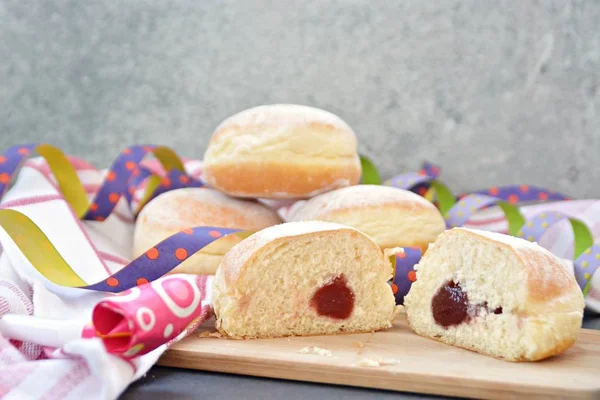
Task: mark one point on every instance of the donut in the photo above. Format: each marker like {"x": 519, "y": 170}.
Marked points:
{"x": 392, "y": 217}
{"x": 180, "y": 209}
{"x": 303, "y": 278}
{"x": 281, "y": 151}
{"x": 495, "y": 294}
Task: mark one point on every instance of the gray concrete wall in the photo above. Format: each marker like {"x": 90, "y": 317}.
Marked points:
{"x": 496, "y": 92}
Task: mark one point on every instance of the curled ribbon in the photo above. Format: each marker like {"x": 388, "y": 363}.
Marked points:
{"x": 124, "y": 175}
{"x": 120, "y": 181}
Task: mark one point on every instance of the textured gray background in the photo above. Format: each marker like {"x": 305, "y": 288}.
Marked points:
{"x": 496, "y": 92}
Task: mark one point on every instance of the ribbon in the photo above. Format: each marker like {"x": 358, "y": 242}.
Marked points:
{"x": 144, "y": 318}
{"x": 513, "y": 194}
{"x": 156, "y": 262}
{"x": 404, "y": 271}
{"x": 118, "y": 182}
{"x": 370, "y": 173}
{"x": 122, "y": 178}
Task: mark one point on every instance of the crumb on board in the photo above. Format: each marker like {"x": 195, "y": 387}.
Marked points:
{"x": 316, "y": 350}
{"x": 376, "y": 362}
{"x": 209, "y": 334}
{"x": 358, "y": 345}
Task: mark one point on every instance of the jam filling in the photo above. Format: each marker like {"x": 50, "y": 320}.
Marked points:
{"x": 334, "y": 300}
{"x": 450, "y": 306}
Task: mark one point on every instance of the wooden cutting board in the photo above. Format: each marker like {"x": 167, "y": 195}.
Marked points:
{"x": 407, "y": 363}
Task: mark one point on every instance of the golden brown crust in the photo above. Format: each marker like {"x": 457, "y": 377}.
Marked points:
{"x": 279, "y": 179}
{"x": 282, "y": 151}
{"x": 540, "y": 288}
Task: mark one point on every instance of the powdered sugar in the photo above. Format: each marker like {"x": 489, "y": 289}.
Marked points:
{"x": 185, "y": 206}
{"x": 512, "y": 241}
{"x": 284, "y": 114}
{"x": 297, "y": 229}
{"x": 355, "y": 197}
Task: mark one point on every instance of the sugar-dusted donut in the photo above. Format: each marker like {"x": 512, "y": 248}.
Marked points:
{"x": 181, "y": 209}
{"x": 281, "y": 151}
{"x": 495, "y": 294}
{"x": 392, "y": 217}
{"x": 303, "y": 278}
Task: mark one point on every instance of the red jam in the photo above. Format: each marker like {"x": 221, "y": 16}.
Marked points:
{"x": 450, "y": 305}
{"x": 334, "y": 300}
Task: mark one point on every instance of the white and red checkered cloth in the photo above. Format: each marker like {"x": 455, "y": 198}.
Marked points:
{"x": 82, "y": 368}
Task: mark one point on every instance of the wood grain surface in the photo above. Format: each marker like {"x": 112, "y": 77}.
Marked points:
{"x": 407, "y": 362}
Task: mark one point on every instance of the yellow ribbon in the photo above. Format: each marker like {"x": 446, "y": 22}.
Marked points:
{"x": 38, "y": 249}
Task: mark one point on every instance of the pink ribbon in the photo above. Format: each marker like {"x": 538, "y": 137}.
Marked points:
{"x": 145, "y": 317}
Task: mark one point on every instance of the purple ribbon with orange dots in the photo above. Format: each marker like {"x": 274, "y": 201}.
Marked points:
{"x": 405, "y": 274}
{"x": 161, "y": 259}
{"x": 514, "y": 194}
{"x": 122, "y": 178}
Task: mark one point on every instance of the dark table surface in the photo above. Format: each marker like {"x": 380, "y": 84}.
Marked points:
{"x": 175, "y": 383}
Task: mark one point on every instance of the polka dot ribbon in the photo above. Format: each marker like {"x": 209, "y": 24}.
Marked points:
{"x": 513, "y": 194}
{"x": 404, "y": 272}
{"x": 156, "y": 262}
{"x": 122, "y": 179}
{"x": 586, "y": 253}
{"x": 585, "y": 267}
{"x": 146, "y": 317}
{"x": 161, "y": 259}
